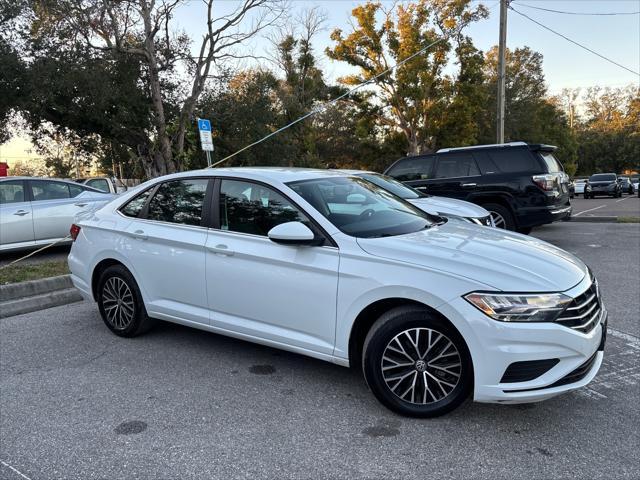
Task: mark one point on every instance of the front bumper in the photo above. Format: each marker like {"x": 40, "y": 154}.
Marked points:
{"x": 494, "y": 346}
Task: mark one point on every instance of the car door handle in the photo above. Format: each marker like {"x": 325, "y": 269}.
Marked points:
{"x": 139, "y": 234}
{"x": 221, "y": 249}
{"x": 81, "y": 204}
{"x": 22, "y": 212}
{"x": 469, "y": 185}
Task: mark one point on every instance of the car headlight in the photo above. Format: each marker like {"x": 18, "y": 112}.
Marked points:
{"x": 545, "y": 307}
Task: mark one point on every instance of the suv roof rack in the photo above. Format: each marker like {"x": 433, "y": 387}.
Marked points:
{"x": 510, "y": 144}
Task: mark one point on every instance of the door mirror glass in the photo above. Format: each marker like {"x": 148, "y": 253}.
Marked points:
{"x": 292, "y": 233}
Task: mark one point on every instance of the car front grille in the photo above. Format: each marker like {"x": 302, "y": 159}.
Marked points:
{"x": 584, "y": 312}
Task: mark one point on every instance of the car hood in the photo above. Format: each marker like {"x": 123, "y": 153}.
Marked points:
{"x": 493, "y": 257}
{"x": 449, "y": 206}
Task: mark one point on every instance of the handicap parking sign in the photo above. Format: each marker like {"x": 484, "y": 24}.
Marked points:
{"x": 204, "y": 125}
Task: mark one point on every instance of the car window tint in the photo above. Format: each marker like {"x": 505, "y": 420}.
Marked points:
{"x": 513, "y": 160}
{"x": 456, "y": 165}
{"x": 248, "y": 207}
{"x": 43, "y": 190}
{"x": 135, "y": 206}
{"x": 553, "y": 165}
{"x": 75, "y": 190}
{"x": 99, "y": 183}
{"x": 412, "y": 168}
{"x": 485, "y": 163}
{"x": 179, "y": 201}
{"x": 12, "y": 192}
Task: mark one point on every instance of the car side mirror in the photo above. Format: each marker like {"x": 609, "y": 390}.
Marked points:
{"x": 292, "y": 233}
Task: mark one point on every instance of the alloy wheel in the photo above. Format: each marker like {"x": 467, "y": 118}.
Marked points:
{"x": 118, "y": 303}
{"x": 498, "y": 220}
{"x": 421, "y": 366}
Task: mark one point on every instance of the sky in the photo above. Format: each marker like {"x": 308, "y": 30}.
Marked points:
{"x": 565, "y": 64}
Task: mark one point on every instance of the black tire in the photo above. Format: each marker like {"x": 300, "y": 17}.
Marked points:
{"x": 497, "y": 211}
{"x": 443, "y": 399}
{"x": 125, "y": 316}
{"x": 525, "y": 230}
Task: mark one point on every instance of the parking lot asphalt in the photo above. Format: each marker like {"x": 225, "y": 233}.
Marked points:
{"x": 79, "y": 402}
{"x": 627, "y": 206}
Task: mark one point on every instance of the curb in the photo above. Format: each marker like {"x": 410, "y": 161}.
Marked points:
{"x": 595, "y": 219}
{"x": 26, "y": 297}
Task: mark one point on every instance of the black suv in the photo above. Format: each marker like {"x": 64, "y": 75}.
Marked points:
{"x": 522, "y": 185}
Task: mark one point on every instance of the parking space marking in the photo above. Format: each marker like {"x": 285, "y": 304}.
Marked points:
{"x": 15, "y": 470}
{"x": 590, "y": 210}
{"x": 620, "y": 367}
{"x": 623, "y": 199}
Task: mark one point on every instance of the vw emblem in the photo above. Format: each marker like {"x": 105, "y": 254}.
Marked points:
{"x": 421, "y": 366}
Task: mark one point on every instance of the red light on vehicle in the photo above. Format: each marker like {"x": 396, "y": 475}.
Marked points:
{"x": 546, "y": 182}
{"x": 74, "y": 231}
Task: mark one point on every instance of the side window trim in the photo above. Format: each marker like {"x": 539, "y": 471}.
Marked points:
{"x": 328, "y": 241}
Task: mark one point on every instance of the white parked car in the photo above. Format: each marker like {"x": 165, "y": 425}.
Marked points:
{"x": 447, "y": 207}
{"x": 332, "y": 266}
{"x": 580, "y": 185}
{"x": 39, "y": 211}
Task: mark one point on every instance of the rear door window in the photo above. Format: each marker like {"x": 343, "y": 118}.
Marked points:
{"x": 46, "y": 190}
{"x": 134, "y": 207}
{"x": 412, "y": 168}
{"x": 513, "y": 160}
{"x": 455, "y": 165}
{"x": 179, "y": 201}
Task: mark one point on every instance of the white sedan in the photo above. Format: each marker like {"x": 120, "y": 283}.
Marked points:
{"x": 39, "y": 211}
{"x": 447, "y": 207}
{"x": 332, "y": 266}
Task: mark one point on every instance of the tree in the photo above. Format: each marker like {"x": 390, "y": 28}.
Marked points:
{"x": 530, "y": 114}
{"x": 412, "y": 94}
{"x": 140, "y": 31}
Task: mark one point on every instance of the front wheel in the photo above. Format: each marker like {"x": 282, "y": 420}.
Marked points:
{"x": 120, "y": 303}
{"x": 416, "y": 364}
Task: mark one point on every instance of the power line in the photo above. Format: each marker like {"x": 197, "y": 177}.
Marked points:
{"x": 578, "y": 13}
{"x": 330, "y": 102}
{"x": 575, "y": 43}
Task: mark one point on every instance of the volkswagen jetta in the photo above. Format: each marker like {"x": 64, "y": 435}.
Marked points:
{"x": 332, "y": 266}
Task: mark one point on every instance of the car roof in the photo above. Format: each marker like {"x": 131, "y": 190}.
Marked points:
{"x": 531, "y": 146}
{"x": 272, "y": 174}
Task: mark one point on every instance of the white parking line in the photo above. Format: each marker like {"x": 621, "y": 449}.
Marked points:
{"x": 623, "y": 199}
{"x": 15, "y": 470}
{"x": 590, "y": 210}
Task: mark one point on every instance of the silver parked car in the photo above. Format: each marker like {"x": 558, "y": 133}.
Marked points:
{"x": 38, "y": 211}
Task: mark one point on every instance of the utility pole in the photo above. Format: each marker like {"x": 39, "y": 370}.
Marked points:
{"x": 502, "y": 51}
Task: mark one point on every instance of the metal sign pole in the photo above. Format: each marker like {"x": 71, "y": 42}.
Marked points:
{"x": 208, "y": 158}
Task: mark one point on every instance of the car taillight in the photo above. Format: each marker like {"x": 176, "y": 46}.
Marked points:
{"x": 546, "y": 182}
{"x": 74, "y": 231}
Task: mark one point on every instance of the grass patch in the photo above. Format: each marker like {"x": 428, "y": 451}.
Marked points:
{"x": 33, "y": 271}
{"x": 628, "y": 219}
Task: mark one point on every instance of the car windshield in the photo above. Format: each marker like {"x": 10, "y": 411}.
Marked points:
{"x": 392, "y": 185}
{"x": 362, "y": 209}
{"x": 602, "y": 177}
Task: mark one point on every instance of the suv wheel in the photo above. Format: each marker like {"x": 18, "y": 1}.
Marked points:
{"x": 120, "y": 303}
{"x": 501, "y": 216}
{"x": 416, "y": 364}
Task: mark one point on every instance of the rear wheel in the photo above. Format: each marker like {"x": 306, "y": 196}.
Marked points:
{"x": 120, "y": 303}
{"x": 501, "y": 216}
{"x": 416, "y": 364}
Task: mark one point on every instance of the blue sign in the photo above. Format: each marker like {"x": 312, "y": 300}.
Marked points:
{"x": 204, "y": 125}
